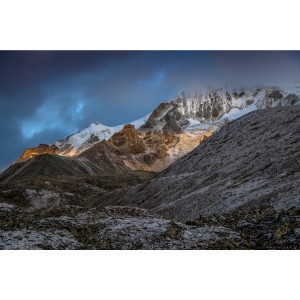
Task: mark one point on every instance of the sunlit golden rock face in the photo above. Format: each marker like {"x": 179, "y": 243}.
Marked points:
{"x": 186, "y": 142}
{"x": 162, "y": 149}
{"x": 41, "y": 149}
{"x": 143, "y": 150}
{"x": 128, "y": 140}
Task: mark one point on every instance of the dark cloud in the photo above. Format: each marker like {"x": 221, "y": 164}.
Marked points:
{"x": 47, "y": 95}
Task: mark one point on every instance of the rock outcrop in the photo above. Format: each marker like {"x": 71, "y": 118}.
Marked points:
{"x": 142, "y": 150}
{"x": 41, "y": 149}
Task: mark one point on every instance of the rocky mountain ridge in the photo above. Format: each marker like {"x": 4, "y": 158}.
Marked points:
{"x": 172, "y": 130}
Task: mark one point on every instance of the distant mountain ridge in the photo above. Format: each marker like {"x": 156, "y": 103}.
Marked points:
{"x": 172, "y": 130}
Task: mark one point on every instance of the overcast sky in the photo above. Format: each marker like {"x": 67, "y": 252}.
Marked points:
{"x": 48, "y": 95}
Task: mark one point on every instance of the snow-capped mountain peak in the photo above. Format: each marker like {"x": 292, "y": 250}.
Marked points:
{"x": 211, "y": 108}
{"x": 94, "y": 133}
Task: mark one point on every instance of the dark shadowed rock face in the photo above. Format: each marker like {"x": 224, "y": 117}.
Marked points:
{"x": 252, "y": 161}
{"x": 157, "y": 113}
{"x": 49, "y": 166}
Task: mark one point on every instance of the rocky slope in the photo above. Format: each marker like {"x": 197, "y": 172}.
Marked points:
{"x": 253, "y": 161}
{"x": 47, "y": 165}
{"x": 84, "y": 190}
{"x": 130, "y": 228}
{"x": 73, "y": 227}
{"x": 172, "y": 130}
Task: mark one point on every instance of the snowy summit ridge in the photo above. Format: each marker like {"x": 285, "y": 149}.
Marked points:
{"x": 94, "y": 133}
